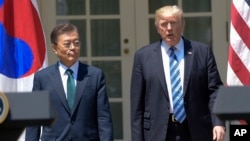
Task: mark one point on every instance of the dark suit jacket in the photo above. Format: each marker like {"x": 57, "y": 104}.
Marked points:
{"x": 90, "y": 119}
{"x": 150, "y": 105}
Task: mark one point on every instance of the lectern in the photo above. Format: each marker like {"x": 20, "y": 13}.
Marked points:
{"x": 26, "y": 109}
{"x": 233, "y": 103}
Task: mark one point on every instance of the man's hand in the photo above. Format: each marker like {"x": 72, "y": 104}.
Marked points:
{"x": 219, "y": 133}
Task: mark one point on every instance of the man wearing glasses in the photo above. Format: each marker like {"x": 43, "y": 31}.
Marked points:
{"x": 78, "y": 94}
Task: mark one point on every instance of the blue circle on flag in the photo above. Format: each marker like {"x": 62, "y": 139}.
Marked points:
{"x": 16, "y": 56}
{"x": 1, "y": 3}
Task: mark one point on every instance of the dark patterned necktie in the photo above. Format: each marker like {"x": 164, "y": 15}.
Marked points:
{"x": 70, "y": 88}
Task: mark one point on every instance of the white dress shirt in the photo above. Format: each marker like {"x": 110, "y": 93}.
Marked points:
{"x": 179, "y": 52}
{"x": 64, "y": 76}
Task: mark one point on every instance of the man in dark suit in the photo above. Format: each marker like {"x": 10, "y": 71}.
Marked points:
{"x": 159, "y": 111}
{"x": 85, "y": 114}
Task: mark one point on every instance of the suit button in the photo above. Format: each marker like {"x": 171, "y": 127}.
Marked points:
{"x": 72, "y": 122}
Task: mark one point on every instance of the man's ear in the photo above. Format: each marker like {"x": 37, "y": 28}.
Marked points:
{"x": 53, "y": 46}
{"x": 157, "y": 29}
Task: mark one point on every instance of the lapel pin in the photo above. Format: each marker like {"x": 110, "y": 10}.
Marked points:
{"x": 189, "y": 52}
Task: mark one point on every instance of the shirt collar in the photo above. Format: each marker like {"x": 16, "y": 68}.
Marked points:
{"x": 179, "y": 46}
{"x": 74, "y": 68}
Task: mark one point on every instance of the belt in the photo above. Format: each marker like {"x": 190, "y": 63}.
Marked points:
{"x": 172, "y": 118}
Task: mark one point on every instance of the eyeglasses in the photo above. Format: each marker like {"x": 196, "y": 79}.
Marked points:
{"x": 68, "y": 44}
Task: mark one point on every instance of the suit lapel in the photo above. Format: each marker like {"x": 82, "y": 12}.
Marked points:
{"x": 82, "y": 78}
{"x": 159, "y": 64}
{"x": 55, "y": 79}
{"x": 188, "y": 57}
